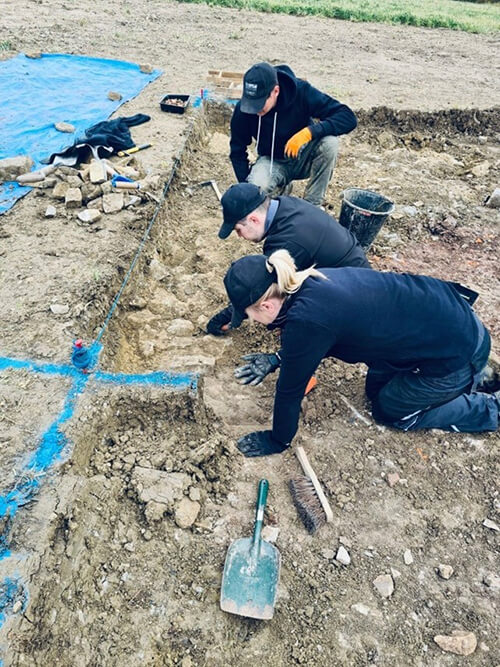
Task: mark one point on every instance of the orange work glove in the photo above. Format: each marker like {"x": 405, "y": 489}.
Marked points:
{"x": 295, "y": 143}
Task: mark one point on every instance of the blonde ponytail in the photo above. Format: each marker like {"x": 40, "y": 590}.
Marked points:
{"x": 289, "y": 279}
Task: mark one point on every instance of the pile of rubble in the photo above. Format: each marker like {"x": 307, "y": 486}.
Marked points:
{"x": 101, "y": 186}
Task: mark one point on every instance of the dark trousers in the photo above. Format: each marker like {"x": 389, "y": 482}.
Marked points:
{"x": 409, "y": 400}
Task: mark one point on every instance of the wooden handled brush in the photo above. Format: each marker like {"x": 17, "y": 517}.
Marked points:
{"x": 308, "y": 497}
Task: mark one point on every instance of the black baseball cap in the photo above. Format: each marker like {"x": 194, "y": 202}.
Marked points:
{"x": 258, "y": 82}
{"x": 246, "y": 281}
{"x": 237, "y": 202}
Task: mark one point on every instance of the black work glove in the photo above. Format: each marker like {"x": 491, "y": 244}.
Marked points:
{"x": 258, "y": 366}
{"x": 220, "y": 323}
{"x": 260, "y": 443}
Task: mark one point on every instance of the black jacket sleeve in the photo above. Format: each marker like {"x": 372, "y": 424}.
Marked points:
{"x": 241, "y": 138}
{"x": 334, "y": 117}
{"x": 303, "y": 346}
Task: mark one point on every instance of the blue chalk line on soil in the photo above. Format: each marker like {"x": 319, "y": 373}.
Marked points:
{"x": 53, "y": 441}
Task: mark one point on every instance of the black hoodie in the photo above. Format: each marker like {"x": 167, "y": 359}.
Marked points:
{"x": 297, "y": 105}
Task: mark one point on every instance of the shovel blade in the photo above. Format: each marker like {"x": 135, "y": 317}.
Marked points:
{"x": 250, "y": 579}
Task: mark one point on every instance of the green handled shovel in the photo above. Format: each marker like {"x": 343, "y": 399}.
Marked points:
{"x": 251, "y": 571}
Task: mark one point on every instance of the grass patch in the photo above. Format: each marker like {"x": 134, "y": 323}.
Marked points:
{"x": 451, "y": 14}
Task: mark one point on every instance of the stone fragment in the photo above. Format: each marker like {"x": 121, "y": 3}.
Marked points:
{"x": 365, "y": 610}
{"x": 90, "y": 191}
{"x": 50, "y": 212}
{"x": 488, "y": 523}
{"x": 154, "y": 511}
{"x": 407, "y": 557}
{"x": 89, "y": 215}
{"x": 106, "y": 188}
{"x": 343, "y": 556}
{"x": 114, "y": 96}
{"x": 142, "y": 317}
{"x": 459, "y": 642}
{"x": 384, "y": 585}
{"x": 270, "y": 533}
{"x": 64, "y": 127}
{"x": 392, "y": 479}
{"x": 146, "y": 68}
{"x": 186, "y": 512}
{"x": 481, "y": 169}
{"x": 395, "y": 573}
{"x": 180, "y": 327}
{"x": 11, "y": 167}
{"x": 445, "y": 571}
{"x": 132, "y": 201}
{"x": 493, "y": 200}
{"x": 60, "y": 190}
{"x": 157, "y": 270}
{"x": 492, "y": 581}
{"x": 329, "y": 554}
{"x": 159, "y": 486}
{"x": 33, "y": 55}
{"x": 194, "y": 493}
{"x": 198, "y": 361}
{"x": 112, "y": 203}
{"x": 146, "y": 348}
{"x": 95, "y": 203}
{"x": 97, "y": 172}
{"x": 59, "y": 308}
{"x": 73, "y": 198}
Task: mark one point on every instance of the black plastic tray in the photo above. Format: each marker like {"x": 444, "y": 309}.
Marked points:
{"x": 166, "y": 105}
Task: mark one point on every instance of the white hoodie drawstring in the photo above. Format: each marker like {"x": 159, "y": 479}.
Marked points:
{"x": 258, "y": 137}
{"x": 272, "y": 143}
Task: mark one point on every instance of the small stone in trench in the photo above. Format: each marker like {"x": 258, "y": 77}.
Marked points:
{"x": 459, "y": 642}
{"x": 89, "y": 215}
{"x": 270, "y": 533}
{"x": 493, "y": 200}
{"x": 50, "y": 212}
{"x": 407, "y": 557}
{"x": 392, "y": 479}
{"x": 445, "y": 571}
{"x": 384, "y": 585}
{"x": 186, "y": 513}
{"x": 329, "y": 554}
{"x": 488, "y": 523}
{"x": 343, "y": 556}
{"x": 59, "y": 308}
{"x": 492, "y": 581}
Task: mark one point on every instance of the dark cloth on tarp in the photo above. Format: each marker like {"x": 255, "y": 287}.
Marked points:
{"x": 37, "y": 93}
{"x": 102, "y": 139}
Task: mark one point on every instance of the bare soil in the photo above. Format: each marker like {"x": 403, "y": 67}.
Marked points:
{"x": 109, "y": 570}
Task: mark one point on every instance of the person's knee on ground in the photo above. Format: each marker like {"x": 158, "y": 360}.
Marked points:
{"x": 271, "y": 181}
{"x": 322, "y": 163}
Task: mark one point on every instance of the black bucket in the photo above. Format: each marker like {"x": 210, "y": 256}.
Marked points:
{"x": 364, "y": 212}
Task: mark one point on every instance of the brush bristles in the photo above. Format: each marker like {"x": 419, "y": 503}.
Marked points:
{"x": 307, "y": 503}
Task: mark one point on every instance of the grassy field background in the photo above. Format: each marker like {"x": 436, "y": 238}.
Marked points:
{"x": 452, "y": 14}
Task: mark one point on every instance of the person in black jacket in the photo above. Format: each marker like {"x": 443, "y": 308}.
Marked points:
{"x": 309, "y": 234}
{"x": 295, "y": 127}
{"x": 423, "y": 344}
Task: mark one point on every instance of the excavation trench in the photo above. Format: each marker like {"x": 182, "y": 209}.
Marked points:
{"x": 139, "y": 518}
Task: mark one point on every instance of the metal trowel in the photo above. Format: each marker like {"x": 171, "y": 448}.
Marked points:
{"x": 251, "y": 571}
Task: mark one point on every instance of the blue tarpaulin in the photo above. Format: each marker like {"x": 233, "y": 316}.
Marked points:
{"x": 35, "y": 93}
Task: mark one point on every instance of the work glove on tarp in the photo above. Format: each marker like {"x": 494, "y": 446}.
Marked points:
{"x": 260, "y": 443}
{"x": 220, "y": 323}
{"x": 257, "y": 367}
